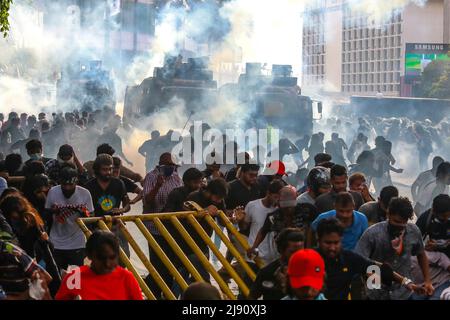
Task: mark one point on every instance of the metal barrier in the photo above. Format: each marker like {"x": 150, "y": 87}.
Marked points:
{"x": 192, "y": 217}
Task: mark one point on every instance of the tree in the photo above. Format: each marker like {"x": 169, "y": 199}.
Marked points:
{"x": 5, "y": 5}
{"x": 435, "y": 80}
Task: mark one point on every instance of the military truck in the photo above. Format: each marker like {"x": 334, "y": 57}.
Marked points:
{"x": 272, "y": 100}
{"x": 87, "y": 86}
{"x": 189, "y": 81}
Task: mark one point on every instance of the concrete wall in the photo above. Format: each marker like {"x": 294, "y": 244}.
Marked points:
{"x": 333, "y": 47}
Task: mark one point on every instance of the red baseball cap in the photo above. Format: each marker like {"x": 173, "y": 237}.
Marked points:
{"x": 306, "y": 268}
{"x": 275, "y": 167}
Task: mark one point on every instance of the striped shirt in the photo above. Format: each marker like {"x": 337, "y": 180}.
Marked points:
{"x": 172, "y": 182}
{"x": 16, "y": 268}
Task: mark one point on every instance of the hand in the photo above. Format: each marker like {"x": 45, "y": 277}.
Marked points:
{"x": 415, "y": 288}
{"x": 239, "y": 214}
{"x": 212, "y": 210}
{"x": 251, "y": 252}
{"x": 116, "y": 212}
{"x": 400, "y": 170}
{"x": 44, "y": 236}
{"x": 429, "y": 289}
{"x": 430, "y": 245}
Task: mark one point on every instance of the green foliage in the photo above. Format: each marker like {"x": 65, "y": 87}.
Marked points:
{"x": 5, "y": 5}
{"x": 435, "y": 80}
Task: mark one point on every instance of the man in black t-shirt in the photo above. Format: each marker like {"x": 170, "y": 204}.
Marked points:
{"x": 435, "y": 224}
{"x": 211, "y": 199}
{"x": 344, "y": 266}
{"x": 270, "y": 280}
{"x": 130, "y": 186}
{"x": 244, "y": 189}
{"x": 108, "y": 193}
{"x": 192, "y": 181}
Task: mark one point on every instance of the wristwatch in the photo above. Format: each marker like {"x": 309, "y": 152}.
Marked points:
{"x": 406, "y": 281}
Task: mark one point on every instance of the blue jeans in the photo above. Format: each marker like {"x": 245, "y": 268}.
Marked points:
{"x": 436, "y": 295}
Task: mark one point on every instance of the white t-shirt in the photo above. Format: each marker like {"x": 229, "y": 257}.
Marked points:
{"x": 428, "y": 193}
{"x": 65, "y": 233}
{"x": 255, "y": 214}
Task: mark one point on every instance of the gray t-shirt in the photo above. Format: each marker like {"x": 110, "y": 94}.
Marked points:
{"x": 325, "y": 202}
{"x": 439, "y": 269}
{"x": 375, "y": 244}
{"x": 373, "y": 212}
{"x": 306, "y": 198}
{"x": 65, "y": 233}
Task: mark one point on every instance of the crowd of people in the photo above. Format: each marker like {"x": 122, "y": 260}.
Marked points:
{"x": 322, "y": 232}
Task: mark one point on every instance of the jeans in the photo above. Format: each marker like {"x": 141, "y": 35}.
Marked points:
{"x": 436, "y": 295}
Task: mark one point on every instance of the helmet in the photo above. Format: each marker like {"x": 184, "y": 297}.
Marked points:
{"x": 317, "y": 177}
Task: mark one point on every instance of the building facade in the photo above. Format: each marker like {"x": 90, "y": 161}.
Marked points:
{"x": 346, "y": 51}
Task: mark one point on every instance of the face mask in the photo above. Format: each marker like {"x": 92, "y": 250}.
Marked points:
{"x": 395, "y": 231}
{"x": 167, "y": 171}
{"x": 36, "y": 156}
{"x": 61, "y": 161}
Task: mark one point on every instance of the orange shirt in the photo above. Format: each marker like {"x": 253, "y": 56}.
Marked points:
{"x": 117, "y": 285}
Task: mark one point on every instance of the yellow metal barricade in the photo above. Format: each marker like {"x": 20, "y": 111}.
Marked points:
{"x": 179, "y": 220}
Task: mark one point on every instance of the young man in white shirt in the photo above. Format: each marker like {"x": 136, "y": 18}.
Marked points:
{"x": 67, "y": 202}
{"x": 255, "y": 214}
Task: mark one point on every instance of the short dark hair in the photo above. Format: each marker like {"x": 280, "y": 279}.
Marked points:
{"x": 218, "y": 187}
{"x": 102, "y": 160}
{"x": 100, "y": 238}
{"x": 443, "y": 170}
{"x": 322, "y": 157}
{"x": 65, "y": 150}
{"x": 329, "y": 225}
{"x": 249, "y": 167}
{"x": 105, "y": 148}
{"x": 402, "y": 207}
{"x": 387, "y": 193}
{"x": 33, "y": 145}
{"x": 192, "y": 174}
{"x": 344, "y": 199}
{"x": 13, "y": 161}
{"x": 437, "y": 161}
{"x": 355, "y": 177}
{"x": 275, "y": 186}
{"x": 201, "y": 291}
{"x": 66, "y": 174}
{"x": 441, "y": 204}
{"x": 286, "y": 235}
{"x": 338, "y": 171}
{"x": 33, "y": 168}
